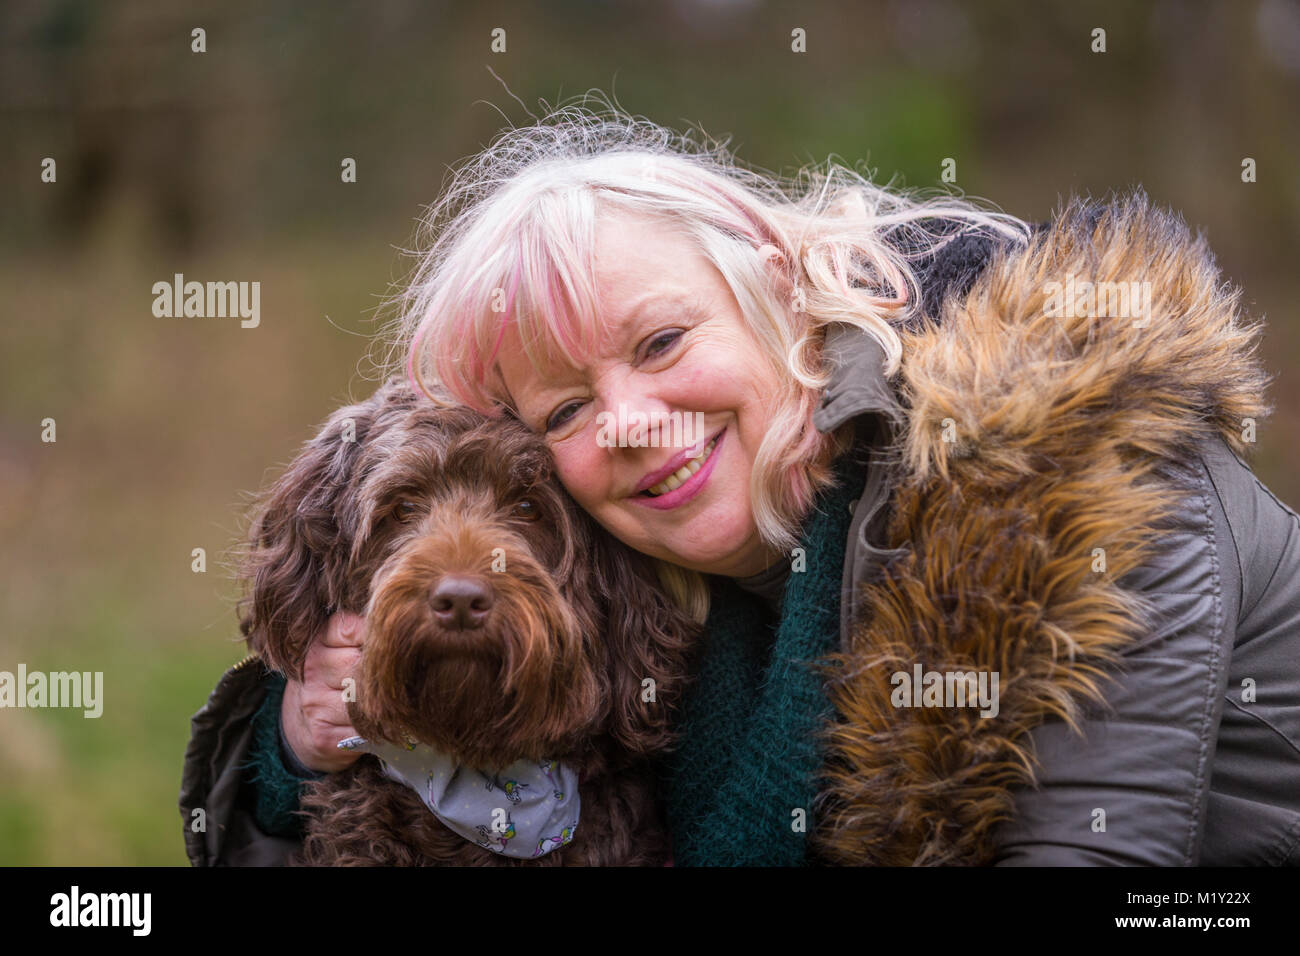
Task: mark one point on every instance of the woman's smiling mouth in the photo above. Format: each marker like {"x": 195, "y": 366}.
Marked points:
{"x": 683, "y": 484}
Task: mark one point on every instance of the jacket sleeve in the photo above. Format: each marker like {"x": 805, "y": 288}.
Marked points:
{"x": 1134, "y": 789}
{"x": 239, "y": 790}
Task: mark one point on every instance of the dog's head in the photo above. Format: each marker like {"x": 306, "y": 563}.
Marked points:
{"x": 501, "y": 621}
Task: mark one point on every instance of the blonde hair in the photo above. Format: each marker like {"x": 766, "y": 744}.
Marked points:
{"x": 511, "y": 241}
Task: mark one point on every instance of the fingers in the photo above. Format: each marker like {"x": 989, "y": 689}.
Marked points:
{"x": 344, "y": 629}
{"x": 314, "y": 713}
{"x": 324, "y": 675}
{"x": 326, "y": 667}
{"x": 315, "y": 719}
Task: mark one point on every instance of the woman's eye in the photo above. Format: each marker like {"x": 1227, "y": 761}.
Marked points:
{"x": 562, "y": 415}
{"x": 406, "y": 510}
{"x": 661, "y": 343}
{"x": 527, "y": 510}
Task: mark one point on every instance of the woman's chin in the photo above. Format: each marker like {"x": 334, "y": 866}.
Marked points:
{"x": 720, "y": 554}
{"x": 709, "y": 539}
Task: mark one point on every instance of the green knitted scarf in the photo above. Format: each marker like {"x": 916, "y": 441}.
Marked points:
{"x": 749, "y": 756}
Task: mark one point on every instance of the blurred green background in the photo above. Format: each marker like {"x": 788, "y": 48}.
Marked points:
{"x": 226, "y": 166}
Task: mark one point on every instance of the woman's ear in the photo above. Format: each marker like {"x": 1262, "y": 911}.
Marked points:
{"x": 649, "y": 640}
{"x": 294, "y": 563}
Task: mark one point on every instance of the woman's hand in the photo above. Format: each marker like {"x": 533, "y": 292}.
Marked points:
{"x": 313, "y": 712}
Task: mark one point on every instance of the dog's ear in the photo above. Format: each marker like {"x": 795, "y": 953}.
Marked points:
{"x": 294, "y": 564}
{"x": 649, "y": 640}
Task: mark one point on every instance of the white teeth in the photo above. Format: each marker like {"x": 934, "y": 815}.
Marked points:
{"x": 678, "y": 477}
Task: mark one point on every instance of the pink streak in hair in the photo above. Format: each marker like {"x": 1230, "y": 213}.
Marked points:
{"x": 896, "y": 281}
{"x": 509, "y": 315}
{"x": 553, "y": 297}
{"x": 756, "y": 230}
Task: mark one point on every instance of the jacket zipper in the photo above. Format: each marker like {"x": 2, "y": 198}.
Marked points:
{"x": 250, "y": 657}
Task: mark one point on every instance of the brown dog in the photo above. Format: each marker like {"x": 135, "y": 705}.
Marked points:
{"x": 503, "y": 625}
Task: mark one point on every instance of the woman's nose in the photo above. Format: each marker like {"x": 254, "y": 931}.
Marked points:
{"x": 635, "y": 411}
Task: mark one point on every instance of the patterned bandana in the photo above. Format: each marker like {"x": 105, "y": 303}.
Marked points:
{"x": 524, "y": 811}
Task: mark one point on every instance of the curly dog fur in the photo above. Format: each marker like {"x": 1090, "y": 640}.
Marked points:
{"x": 395, "y": 498}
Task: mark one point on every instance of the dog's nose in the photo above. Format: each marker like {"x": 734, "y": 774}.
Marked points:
{"x": 461, "y": 604}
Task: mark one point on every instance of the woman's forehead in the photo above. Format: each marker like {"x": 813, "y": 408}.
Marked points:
{"x": 530, "y": 374}
{"x": 617, "y": 330}
{"x": 551, "y": 340}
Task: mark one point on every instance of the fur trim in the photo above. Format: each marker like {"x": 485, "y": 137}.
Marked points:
{"x": 1032, "y": 439}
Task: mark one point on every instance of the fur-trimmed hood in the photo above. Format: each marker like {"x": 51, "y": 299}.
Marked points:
{"x": 1042, "y": 449}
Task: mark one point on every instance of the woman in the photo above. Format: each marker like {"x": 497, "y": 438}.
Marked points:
{"x": 984, "y": 578}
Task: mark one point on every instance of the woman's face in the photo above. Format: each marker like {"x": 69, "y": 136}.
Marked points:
{"x": 675, "y": 342}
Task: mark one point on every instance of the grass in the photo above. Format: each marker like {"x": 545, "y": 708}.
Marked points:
{"x": 163, "y": 428}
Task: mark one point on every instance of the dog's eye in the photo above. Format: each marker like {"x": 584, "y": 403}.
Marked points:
{"x": 406, "y": 510}
{"x": 527, "y": 510}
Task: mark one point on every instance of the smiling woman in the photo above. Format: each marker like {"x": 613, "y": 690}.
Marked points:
{"x": 658, "y": 361}
{"x": 911, "y": 462}
{"x": 613, "y": 266}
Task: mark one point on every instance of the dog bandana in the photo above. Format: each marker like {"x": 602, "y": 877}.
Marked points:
{"x": 524, "y": 811}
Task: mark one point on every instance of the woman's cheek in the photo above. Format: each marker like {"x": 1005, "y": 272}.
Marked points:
{"x": 582, "y": 468}
{"x": 696, "y": 383}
